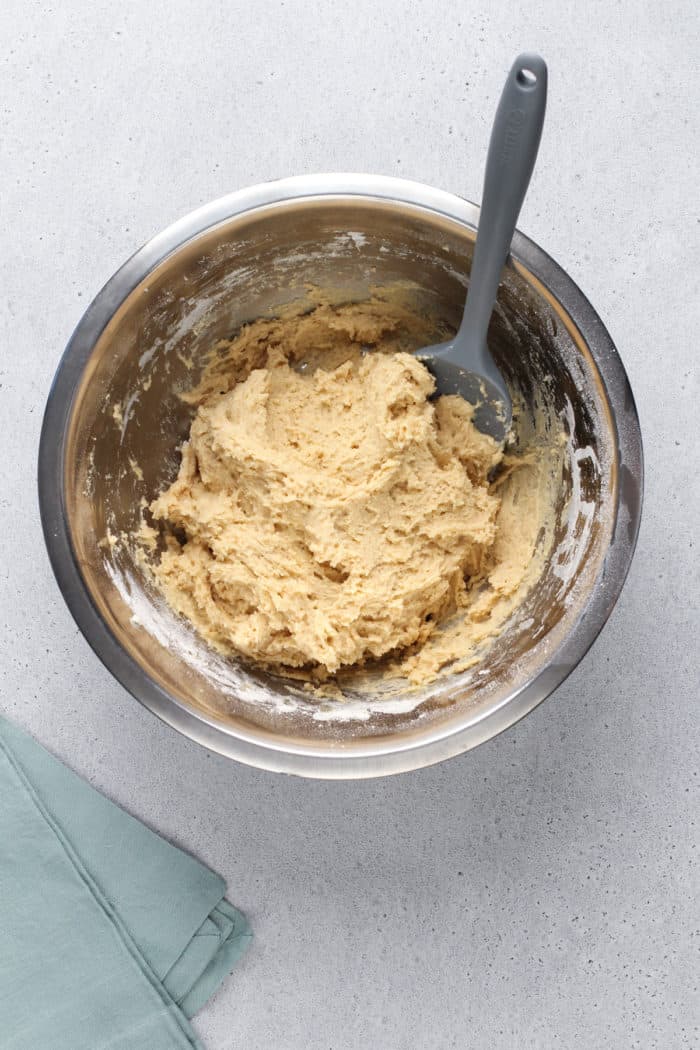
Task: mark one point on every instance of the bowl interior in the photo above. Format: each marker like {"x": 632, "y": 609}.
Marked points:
{"x": 127, "y": 422}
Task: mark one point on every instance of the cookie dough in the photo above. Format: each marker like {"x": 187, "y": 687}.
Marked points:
{"x": 327, "y": 513}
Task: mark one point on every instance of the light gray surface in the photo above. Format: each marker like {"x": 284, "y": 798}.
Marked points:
{"x": 538, "y": 892}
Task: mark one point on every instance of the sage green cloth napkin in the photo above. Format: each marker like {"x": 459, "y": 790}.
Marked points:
{"x": 110, "y": 938}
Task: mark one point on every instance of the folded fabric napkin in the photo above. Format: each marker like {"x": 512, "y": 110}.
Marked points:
{"x": 109, "y": 936}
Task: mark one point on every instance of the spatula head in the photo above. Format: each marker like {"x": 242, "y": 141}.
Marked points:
{"x": 487, "y": 390}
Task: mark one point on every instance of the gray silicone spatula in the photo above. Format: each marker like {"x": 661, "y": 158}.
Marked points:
{"x": 464, "y": 365}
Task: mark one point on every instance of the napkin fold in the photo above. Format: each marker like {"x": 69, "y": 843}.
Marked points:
{"x": 110, "y": 937}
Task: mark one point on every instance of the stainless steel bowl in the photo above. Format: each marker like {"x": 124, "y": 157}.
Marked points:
{"x": 114, "y": 403}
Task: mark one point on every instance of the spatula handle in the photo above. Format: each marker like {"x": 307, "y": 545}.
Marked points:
{"x": 515, "y": 139}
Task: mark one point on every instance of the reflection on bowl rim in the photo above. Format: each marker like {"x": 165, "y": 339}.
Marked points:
{"x": 377, "y": 755}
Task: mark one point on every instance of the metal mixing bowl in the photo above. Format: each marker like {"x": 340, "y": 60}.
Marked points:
{"x": 114, "y": 422}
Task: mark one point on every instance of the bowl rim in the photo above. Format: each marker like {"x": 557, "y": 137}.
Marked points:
{"x": 377, "y": 756}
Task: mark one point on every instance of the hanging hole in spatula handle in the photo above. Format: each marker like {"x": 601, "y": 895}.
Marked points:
{"x": 526, "y": 77}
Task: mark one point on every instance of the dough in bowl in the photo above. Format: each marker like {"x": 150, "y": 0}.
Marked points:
{"x": 328, "y": 516}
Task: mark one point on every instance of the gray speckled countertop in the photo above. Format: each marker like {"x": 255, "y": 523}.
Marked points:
{"x": 540, "y": 891}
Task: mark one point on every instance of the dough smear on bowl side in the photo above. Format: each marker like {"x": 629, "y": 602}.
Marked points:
{"x": 328, "y": 515}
